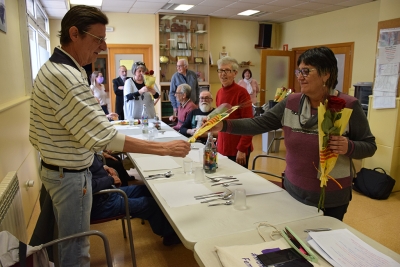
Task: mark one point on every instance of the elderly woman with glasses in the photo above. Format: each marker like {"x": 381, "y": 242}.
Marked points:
{"x": 186, "y": 105}
{"x": 137, "y": 93}
{"x": 235, "y": 147}
{"x": 297, "y": 115}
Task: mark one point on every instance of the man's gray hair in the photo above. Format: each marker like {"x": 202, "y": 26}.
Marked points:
{"x": 186, "y": 89}
{"x": 228, "y": 60}
{"x": 185, "y": 62}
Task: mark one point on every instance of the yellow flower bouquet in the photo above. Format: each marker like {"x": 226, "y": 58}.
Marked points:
{"x": 332, "y": 120}
{"x": 149, "y": 79}
{"x": 217, "y": 115}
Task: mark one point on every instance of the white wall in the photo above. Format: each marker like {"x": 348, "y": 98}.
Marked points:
{"x": 357, "y": 24}
{"x": 16, "y": 152}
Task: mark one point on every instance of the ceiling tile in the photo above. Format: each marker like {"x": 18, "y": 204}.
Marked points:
{"x": 145, "y": 5}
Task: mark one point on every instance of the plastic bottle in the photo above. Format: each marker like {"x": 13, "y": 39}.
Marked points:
{"x": 145, "y": 120}
{"x": 210, "y": 155}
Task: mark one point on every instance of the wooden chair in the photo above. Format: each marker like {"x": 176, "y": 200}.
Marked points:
{"x": 281, "y": 176}
{"x": 123, "y": 217}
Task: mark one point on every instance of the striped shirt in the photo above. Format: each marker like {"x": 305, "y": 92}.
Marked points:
{"x": 66, "y": 123}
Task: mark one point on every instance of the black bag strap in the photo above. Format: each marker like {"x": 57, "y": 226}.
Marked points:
{"x": 379, "y": 168}
{"x": 22, "y": 254}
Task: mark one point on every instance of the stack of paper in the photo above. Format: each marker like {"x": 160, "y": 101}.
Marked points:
{"x": 342, "y": 248}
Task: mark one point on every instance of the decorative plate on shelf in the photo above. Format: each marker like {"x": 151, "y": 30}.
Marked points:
{"x": 164, "y": 59}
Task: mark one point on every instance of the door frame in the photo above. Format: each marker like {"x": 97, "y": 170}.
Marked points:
{"x": 340, "y": 48}
{"x": 268, "y": 52}
{"x": 146, "y": 50}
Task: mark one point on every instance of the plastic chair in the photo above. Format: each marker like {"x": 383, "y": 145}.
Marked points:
{"x": 123, "y": 217}
{"x": 281, "y": 177}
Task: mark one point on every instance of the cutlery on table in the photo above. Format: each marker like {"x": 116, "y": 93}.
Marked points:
{"x": 229, "y": 202}
{"x": 166, "y": 175}
{"x": 229, "y": 184}
{"x": 215, "y": 193}
{"x": 317, "y": 230}
{"x": 226, "y": 182}
{"x": 227, "y": 197}
{"x": 221, "y": 176}
{"x": 158, "y": 174}
{"x": 215, "y": 180}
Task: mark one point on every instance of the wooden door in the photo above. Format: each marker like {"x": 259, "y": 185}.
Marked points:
{"x": 101, "y": 65}
{"x": 116, "y": 52}
{"x": 277, "y": 70}
{"x": 344, "y": 55}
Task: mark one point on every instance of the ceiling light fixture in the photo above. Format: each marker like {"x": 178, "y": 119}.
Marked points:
{"x": 248, "y": 12}
{"x": 96, "y": 3}
{"x": 183, "y": 7}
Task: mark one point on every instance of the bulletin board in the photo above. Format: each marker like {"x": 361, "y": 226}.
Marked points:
{"x": 388, "y": 24}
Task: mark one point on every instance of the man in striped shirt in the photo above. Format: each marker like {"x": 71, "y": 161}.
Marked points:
{"x": 67, "y": 125}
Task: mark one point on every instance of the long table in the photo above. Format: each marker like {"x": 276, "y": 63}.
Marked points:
{"x": 201, "y": 228}
{"x": 206, "y": 255}
{"x": 197, "y": 222}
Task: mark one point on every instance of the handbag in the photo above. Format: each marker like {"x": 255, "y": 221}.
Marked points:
{"x": 373, "y": 184}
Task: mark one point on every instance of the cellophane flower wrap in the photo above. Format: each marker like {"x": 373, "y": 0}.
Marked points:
{"x": 217, "y": 115}
{"x": 332, "y": 120}
{"x": 149, "y": 79}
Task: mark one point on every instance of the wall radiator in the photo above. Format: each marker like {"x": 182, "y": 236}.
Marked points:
{"x": 11, "y": 209}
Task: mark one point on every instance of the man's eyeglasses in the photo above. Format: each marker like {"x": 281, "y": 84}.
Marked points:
{"x": 226, "y": 71}
{"x": 98, "y": 38}
{"x": 178, "y": 93}
{"x": 180, "y": 66}
{"x": 304, "y": 72}
{"x": 205, "y": 98}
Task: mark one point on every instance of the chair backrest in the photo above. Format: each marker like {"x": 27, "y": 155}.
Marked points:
{"x": 277, "y": 178}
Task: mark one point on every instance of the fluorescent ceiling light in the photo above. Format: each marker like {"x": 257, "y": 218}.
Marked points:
{"x": 184, "y": 7}
{"x": 168, "y": 17}
{"x": 248, "y": 12}
{"x": 86, "y": 2}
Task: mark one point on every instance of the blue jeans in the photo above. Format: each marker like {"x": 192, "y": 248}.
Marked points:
{"x": 71, "y": 206}
{"x": 141, "y": 205}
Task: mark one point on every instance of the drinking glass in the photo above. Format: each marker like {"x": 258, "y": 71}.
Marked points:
{"x": 187, "y": 165}
{"x": 199, "y": 177}
{"x": 240, "y": 199}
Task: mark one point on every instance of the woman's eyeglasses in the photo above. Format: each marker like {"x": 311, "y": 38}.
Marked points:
{"x": 226, "y": 71}
{"x": 304, "y": 72}
{"x": 138, "y": 63}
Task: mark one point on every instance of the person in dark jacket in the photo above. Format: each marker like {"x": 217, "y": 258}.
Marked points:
{"x": 141, "y": 203}
{"x": 118, "y": 85}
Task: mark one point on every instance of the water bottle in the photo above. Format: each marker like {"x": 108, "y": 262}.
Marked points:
{"x": 210, "y": 155}
{"x": 145, "y": 120}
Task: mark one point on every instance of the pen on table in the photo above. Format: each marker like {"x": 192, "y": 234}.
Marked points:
{"x": 296, "y": 243}
{"x": 317, "y": 230}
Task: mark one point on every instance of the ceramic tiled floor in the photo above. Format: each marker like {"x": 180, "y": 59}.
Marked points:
{"x": 378, "y": 219}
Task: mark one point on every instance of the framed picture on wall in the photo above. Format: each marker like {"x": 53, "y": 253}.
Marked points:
{"x": 182, "y": 46}
{"x": 182, "y": 57}
{"x": 198, "y": 60}
{"x": 3, "y": 23}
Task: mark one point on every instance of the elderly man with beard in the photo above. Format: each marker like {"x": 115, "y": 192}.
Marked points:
{"x": 194, "y": 118}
